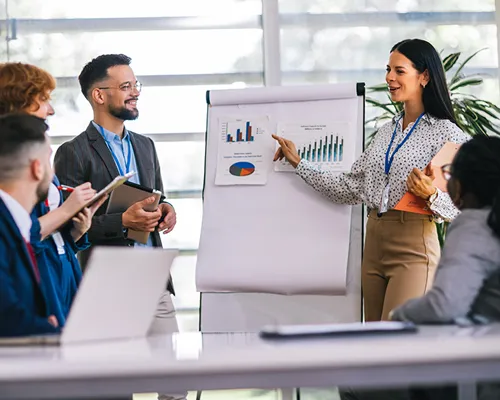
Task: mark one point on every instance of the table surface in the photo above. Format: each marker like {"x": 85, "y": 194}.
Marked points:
{"x": 193, "y": 361}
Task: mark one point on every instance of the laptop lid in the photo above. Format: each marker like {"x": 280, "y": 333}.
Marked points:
{"x": 119, "y": 294}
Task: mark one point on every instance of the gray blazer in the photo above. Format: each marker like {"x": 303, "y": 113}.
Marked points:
{"x": 467, "y": 283}
{"x": 87, "y": 158}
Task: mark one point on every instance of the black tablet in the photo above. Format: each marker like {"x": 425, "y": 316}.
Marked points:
{"x": 345, "y": 329}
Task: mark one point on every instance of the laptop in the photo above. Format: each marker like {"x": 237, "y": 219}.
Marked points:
{"x": 117, "y": 298}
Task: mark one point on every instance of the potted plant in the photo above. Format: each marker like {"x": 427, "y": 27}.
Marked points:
{"x": 474, "y": 115}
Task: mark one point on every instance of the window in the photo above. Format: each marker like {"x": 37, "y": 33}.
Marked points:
{"x": 181, "y": 49}
{"x": 223, "y": 10}
{"x": 329, "y": 42}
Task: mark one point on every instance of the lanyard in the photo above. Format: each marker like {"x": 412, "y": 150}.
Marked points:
{"x": 389, "y": 158}
{"x": 47, "y": 203}
{"x": 117, "y": 162}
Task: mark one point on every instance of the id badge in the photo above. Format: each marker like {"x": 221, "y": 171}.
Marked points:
{"x": 384, "y": 202}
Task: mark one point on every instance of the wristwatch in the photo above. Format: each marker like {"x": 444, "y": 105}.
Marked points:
{"x": 433, "y": 197}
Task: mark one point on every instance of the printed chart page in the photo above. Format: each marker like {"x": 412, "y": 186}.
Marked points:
{"x": 245, "y": 152}
{"x": 324, "y": 145}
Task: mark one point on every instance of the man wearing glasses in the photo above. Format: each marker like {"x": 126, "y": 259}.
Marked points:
{"x": 107, "y": 149}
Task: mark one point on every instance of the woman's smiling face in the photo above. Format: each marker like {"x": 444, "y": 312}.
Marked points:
{"x": 405, "y": 82}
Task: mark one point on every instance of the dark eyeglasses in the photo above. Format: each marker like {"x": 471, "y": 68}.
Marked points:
{"x": 126, "y": 87}
{"x": 446, "y": 171}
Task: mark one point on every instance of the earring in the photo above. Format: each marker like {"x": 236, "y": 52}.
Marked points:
{"x": 423, "y": 85}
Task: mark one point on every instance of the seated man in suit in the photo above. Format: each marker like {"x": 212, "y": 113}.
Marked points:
{"x": 25, "y": 176}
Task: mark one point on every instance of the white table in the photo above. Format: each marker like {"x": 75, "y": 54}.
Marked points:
{"x": 193, "y": 361}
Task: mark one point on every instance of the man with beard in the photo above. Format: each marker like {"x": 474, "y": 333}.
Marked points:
{"x": 107, "y": 149}
{"x": 25, "y": 177}
{"x": 26, "y": 88}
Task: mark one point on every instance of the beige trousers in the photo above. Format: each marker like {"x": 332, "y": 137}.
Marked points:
{"x": 165, "y": 322}
{"x": 399, "y": 261}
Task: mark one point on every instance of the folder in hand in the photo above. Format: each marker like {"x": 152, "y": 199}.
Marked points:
{"x": 109, "y": 188}
{"x": 414, "y": 204}
{"x": 128, "y": 194}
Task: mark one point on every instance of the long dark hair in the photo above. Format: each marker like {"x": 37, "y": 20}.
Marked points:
{"x": 477, "y": 167}
{"x": 424, "y": 56}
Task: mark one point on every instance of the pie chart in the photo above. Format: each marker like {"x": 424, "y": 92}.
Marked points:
{"x": 242, "y": 168}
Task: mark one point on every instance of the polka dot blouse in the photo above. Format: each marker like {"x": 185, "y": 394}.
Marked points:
{"x": 367, "y": 179}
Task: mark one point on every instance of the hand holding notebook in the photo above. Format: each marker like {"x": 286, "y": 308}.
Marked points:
{"x": 139, "y": 205}
{"x": 416, "y": 204}
{"x": 114, "y": 184}
{"x": 93, "y": 203}
{"x": 142, "y": 216}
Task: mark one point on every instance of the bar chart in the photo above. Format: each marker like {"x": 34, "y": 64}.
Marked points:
{"x": 240, "y": 131}
{"x": 323, "y": 144}
{"x": 245, "y": 151}
{"x": 328, "y": 148}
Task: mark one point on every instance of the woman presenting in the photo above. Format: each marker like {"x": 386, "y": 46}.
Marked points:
{"x": 401, "y": 249}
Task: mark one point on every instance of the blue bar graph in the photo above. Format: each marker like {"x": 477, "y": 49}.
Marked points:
{"x": 329, "y": 148}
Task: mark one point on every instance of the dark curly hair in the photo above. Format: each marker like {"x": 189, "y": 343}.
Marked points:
{"x": 477, "y": 167}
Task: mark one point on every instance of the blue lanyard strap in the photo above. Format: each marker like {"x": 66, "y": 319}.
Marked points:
{"x": 389, "y": 158}
{"x": 117, "y": 162}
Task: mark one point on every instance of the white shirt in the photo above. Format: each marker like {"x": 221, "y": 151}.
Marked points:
{"x": 366, "y": 181}
{"x": 19, "y": 214}
{"x": 54, "y": 199}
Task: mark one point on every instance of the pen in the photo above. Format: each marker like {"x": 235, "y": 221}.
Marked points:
{"x": 65, "y": 188}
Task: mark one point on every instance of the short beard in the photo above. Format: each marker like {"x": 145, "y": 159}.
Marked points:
{"x": 42, "y": 191}
{"x": 124, "y": 113}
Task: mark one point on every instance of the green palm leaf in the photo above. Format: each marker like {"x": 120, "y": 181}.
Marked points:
{"x": 468, "y": 81}
{"x": 379, "y": 104}
{"x": 459, "y": 69}
{"x": 378, "y": 88}
{"x": 484, "y": 108}
{"x": 450, "y": 60}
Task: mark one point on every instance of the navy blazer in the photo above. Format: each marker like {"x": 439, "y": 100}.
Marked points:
{"x": 47, "y": 254}
{"x": 23, "y": 308}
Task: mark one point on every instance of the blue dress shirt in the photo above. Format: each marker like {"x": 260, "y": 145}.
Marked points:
{"x": 123, "y": 151}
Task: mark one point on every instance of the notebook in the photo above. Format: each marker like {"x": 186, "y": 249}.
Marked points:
{"x": 117, "y": 298}
{"x": 128, "y": 194}
{"x": 109, "y": 188}
{"x": 411, "y": 203}
{"x": 113, "y": 185}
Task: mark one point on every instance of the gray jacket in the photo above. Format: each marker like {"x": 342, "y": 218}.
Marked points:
{"x": 467, "y": 285}
{"x": 467, "y": 282}
{"x": 87, "y": 158}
